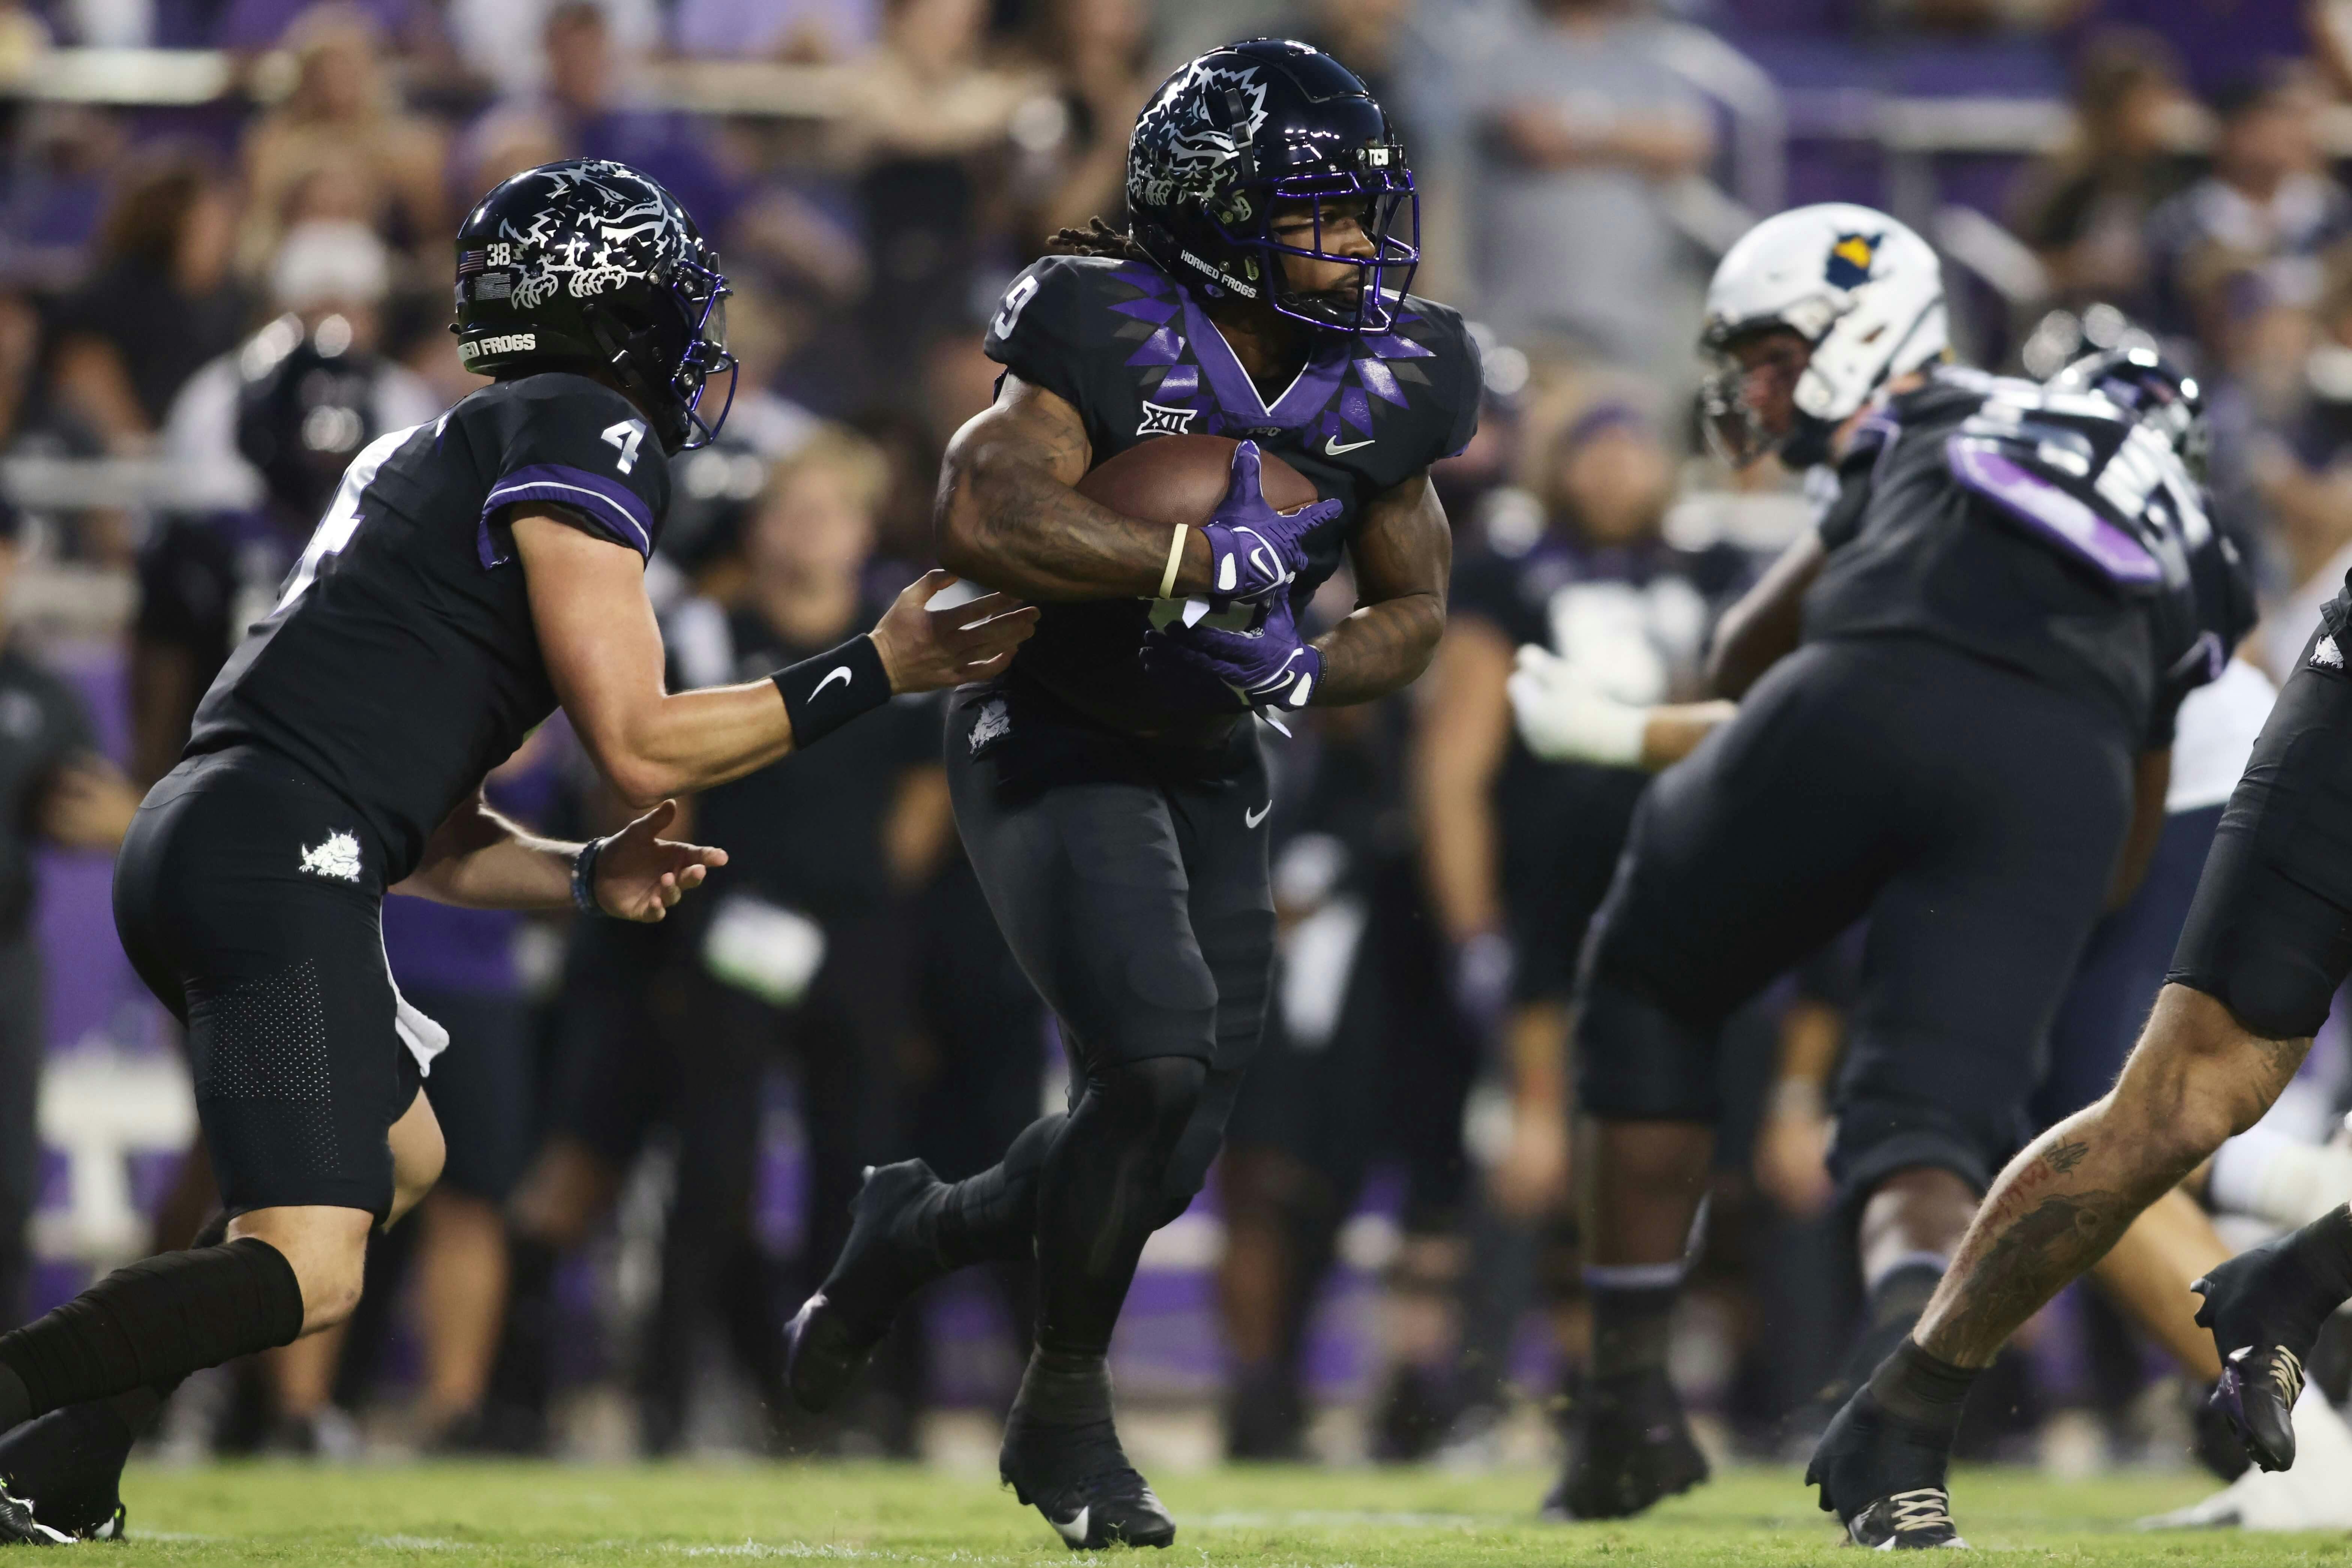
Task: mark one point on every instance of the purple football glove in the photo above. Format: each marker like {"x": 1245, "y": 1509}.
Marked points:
{"x": 1255, "y": 550}
{"x": 1269, "y": 667}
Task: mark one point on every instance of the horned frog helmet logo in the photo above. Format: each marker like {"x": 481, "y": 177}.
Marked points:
{"x": 1198, "y": 148}
{"x": 1851, "y": 258}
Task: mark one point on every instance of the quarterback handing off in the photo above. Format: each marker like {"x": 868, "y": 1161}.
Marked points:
{"x": 470, "y": 575}
{"x": 1110, "y": 785}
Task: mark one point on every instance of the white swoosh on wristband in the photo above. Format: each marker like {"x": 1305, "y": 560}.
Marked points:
{"x": 838, "y": 672}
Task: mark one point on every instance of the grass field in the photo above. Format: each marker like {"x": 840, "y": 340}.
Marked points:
{"x": 271, "y": 1513}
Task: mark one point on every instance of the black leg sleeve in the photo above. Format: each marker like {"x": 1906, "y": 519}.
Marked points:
{"x": 993, "y": 1217}
{"x": 150, "y": 1324}
{"x": 1100, "y": 1197}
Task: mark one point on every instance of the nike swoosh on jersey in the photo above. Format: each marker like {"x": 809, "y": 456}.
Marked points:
{"x": 1332, "y": 447}
{"x": 838, "y": 672}
{"x": 1255, "y": 817}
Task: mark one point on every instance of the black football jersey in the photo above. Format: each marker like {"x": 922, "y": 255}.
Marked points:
{"x": 401, "y": 664}
{"x": 1132, "y": 352}
{"x": 1915, "y": 551}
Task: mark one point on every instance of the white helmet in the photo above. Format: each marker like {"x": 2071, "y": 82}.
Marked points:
{"x": 1866, "y": 291}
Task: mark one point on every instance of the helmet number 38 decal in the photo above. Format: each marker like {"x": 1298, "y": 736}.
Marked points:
{"x": 623, "y": 437}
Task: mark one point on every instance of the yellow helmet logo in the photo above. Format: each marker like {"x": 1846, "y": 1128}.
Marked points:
{"x": 1850, "y": 259}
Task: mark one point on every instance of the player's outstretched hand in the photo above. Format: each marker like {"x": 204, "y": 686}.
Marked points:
{"x": 967, "y": 638}
{"x": 1253, "y": 549}
{"x": 641, "y": 876}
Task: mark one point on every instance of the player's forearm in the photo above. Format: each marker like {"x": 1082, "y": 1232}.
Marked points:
{"x": 2151, "y": 781}
{"x": 1381, "y": 649}
{"x": 1005, "y": 519}
{"x": 1457, "y": 834}
{"x": 1767, "y": 623}
{"x": 482, "y": 860}
{"x": 693, "y": 740}
{"x": 1673, "y": 730}
{"x": 1458, "y": 858}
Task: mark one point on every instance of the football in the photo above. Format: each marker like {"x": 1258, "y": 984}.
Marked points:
{"x": 1180, "y": 480}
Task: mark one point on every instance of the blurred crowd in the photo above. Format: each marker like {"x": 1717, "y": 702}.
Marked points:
{"x": 206, "y": 308}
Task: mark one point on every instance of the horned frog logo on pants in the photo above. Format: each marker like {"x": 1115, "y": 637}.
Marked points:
{"x": 338, "y": 857}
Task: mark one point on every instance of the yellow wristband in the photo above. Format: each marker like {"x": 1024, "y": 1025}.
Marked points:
{"x": 1175, "y": 560}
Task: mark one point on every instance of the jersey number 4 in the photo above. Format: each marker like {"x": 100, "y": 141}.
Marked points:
{"x": 624, "y": 438}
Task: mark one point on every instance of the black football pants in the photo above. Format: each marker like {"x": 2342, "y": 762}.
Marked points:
{"x": 1972, "y": 814}
{"x": 1131, "y": 881}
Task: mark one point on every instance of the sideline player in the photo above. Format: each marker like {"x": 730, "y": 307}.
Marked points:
{"x": 1109, "y": 786}
{"x": 1958, "y": 681}
{"x": 469, "y": 575}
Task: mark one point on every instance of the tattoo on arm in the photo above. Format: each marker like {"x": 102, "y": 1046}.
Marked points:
{"x": 1402, "y": 555}
{"x": 1006, "y": 514}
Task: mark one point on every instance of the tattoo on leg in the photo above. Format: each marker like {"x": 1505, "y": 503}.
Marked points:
{"x": 2043, "y": 1250}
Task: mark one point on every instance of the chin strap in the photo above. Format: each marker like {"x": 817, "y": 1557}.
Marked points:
{"x": 671, "y": 421}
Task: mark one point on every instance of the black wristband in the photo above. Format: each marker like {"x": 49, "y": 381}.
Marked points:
{"x": 823, "y": 693}
{"x": 584, "y": 877}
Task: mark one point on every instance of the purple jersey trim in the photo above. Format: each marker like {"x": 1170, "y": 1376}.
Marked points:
{"x": 2051, "y": 511}
{"x": 1238, "y": 396}
{"x": 619, "y": 510}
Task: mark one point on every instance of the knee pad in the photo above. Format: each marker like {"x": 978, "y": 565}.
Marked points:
{"x": 1637, "y": 1062}
{"x": 1153, "y": 1098}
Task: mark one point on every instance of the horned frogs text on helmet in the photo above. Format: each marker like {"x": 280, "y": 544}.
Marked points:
{"x": 588, "y": 263}
{"x": 1242, "y": 127}
{"x": 1864, "y": 290}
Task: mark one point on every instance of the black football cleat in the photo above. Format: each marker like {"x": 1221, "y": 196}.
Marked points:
{"x": 1629, "y": 1447}
{"x": 2265, "y": 1317}
{"x": 1884, "y": 1480}
{"x": 832, "y": 1337}
{"x": 1078, "y": 1478}
{"x": 66, "y": 1467}
{"x": 19, "y": 1528}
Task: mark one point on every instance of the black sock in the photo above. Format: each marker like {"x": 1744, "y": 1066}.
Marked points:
{"x": 992, "y": 1216}
{"x": 1893, "y": 1306}
{"x": 523, "y": 1374}
{"x": 138, "y": 1406}
{"x": 1633, "y": 1324}
{"x": 1101, "y": 1195}
{"x": 1922, "y": 1390}
{"x": 150, "y": 1324}
{"x": 1063, "y": 1389}
{"x": 2323, "y": 1250}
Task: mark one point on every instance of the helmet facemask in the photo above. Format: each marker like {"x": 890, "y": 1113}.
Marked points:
{"x": 700, "y": 285}
{"x": 1736, "y": 426}
{"x": 1379, "y": 198}
{"x": 691, "y": 341}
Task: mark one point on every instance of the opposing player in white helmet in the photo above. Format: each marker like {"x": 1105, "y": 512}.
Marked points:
{"x": 1811, "y": 316}
{"x": 1956, "y": 699}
